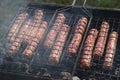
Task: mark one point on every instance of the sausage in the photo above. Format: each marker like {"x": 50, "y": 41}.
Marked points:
{"x": 54, "y": 31}
{"x": 19, "y": 39}
{"x": 59, "y": 44}
{"x": 77, "y": 37}
{"x": 110, "y": 50}
{"x": 87, "y": 49}
{"x": 16, "y": 26}
{"x": 34, "y": 41}
{"x": 38, "y": 14}
{"x": 32, "y": 31}
{"x": 37, "y": 18}
{"x": 101, "y": 41}
{"x": 27, "y": 32}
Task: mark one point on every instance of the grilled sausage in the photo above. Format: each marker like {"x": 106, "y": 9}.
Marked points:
{"x": 31, "y": 32}
{"x": 101, "y": 41}
{"x": 77, "y": 37}
{"x": 16, "y": 26}
{"x": 37, "y": 18}
{"x": 38, "y": 15}
{"x": 59, "y": 44}
{"x": 37, "y": 38}
{"x": 54, "y": 30}
{"x": 110, "y": 50}
{"x": 19, "y": 39}
{"x": 28, "y": 30}
{"x": 87, "y": 49}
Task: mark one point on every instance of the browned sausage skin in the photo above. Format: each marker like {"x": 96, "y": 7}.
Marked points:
{"x": 54, "y": 30}
{"x": 19, "y": 38}
{"x": 87, "y": 49}
{"x": 28, "y": 32}
{"x": 77, "y": 37}
{"x": 101, "y": 41}
{"x": 16, "y": 26}
{"x": 35, "y": 40}
{"x": 32, "y": 30}
{"x": 59, "y": 44}
{"x": 110, "y": 50}
{"x": 37, "y": 18}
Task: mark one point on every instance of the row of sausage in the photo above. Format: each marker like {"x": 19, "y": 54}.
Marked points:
{"x": 91, "y": 49}
{"x": 26, "y": 31}
{"x": 32, "y": 31}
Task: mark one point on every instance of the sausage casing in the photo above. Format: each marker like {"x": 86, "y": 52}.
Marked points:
{"x": 27, "y": 32}
{"x": 19, "y": 38}
{"x": 59, "y": 44}
{"x": 32, "y": 31}
{"x": 54, "y": 31}
{"x": 87, "y": 48}
{"x": 77, "y": 37}
{"x": 35, "y": 41}
{"x": 101, "y": 41}
{"x": 16, "y": 26}
{"x": 110, "y": 50}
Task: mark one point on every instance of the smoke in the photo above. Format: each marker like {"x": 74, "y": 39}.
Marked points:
{"x": 8, "y": 9}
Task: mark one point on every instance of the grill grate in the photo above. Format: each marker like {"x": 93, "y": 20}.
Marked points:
{"x": 67, "y": 62}
{"x": 17, "y": 63}
{"x": 38, "y": 64}
{"x": 96, "y": 71}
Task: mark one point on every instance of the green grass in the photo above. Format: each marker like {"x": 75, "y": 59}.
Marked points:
{"x": 96, "y": 3}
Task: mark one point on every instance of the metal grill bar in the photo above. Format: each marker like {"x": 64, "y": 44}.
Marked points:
{"x": 17, "y": 63}
{"x": 97, "y": 64}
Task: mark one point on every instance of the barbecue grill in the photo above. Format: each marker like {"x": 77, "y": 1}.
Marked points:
{"x": 37, "y": 67}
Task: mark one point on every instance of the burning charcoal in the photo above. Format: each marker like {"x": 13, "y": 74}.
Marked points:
{"x": 66, "y": 75}
{"x": 75, "y": 78}
{"x": 117, "y": 71}
{"x": 27, "y": 68}
{"x": 38, "y": 74}
{"x": 46, "y": 75}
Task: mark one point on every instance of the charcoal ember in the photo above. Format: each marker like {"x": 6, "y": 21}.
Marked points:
{"x": 66, "y": 75}
{"x": 75, "y": 78}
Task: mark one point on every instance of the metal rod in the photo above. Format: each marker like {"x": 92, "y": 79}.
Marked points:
{"x": 84, "y": 3}
{"x": 73, "y": 3}
{"x": 76, "y": 62}
{"x": 62, "y": 9}
{"x": 85, "y": 9}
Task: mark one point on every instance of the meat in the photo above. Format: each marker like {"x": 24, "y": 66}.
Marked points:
{"x": 59, "y": 44}
{"x": 77, "y": 37}
{"x": 35, "y": 40}
{"x": 30, "y": 33}
{"x": 87, "y": 49}
{"x": 37, "y": 18}
{"x": 16, "y": 26}
{"x": 110, "y": 50}
{"x": 19, "y": 38}
{"x": 101, "y": 41}
{"x": 54, "y": 31}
